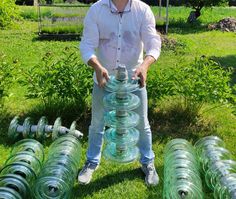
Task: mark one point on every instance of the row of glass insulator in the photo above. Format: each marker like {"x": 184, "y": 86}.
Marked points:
{"x": 41, "y": 131}
{"x": 121, "y": 137}
{"x": 21, "y": 170}
{"x": 181, "y": 171}
{"x": 217, "y": 166}
{"x": 58, "y": 174}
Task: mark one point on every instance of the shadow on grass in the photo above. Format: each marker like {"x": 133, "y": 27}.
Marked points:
{"x": 5, "y": 119}
{"x": 182, "y": 27}
{"x": 57, "y": 37}
{"x": 105, "y": 182}
{"x": 82, "y": 191}
{"x": 176, "y": 123}
{"x": 228, "y": 61}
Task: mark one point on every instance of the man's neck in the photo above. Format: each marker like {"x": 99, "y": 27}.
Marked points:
{"x": 120, "y": 4}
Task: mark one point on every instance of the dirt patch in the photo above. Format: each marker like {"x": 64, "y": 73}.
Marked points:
{"x": 227, "y": 25}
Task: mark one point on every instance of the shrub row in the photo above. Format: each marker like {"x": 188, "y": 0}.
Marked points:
{"x": 66, "y": 80}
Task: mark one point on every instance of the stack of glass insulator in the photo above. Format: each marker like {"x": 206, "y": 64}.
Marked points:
{"x": 217, "y": 166}
{"x": 121, "y": 137}
{"x": 58, "y": 174}
{"x": 181, "y": 171}
{"x": 21, "y": 169}
{"x": 41, "y": 131}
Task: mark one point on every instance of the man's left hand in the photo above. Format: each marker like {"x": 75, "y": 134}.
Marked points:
{"x": 141, "y": 72}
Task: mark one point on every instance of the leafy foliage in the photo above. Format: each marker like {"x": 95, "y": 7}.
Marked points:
{"x": 60, "y": 79}
{"x": 205, "y": 3}
{"x": 203, "y": 81}
{"x": 8, "y": 13}
{"x": 6, "y": 78}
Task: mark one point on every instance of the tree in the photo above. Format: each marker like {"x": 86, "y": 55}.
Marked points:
{"x": 197, "y": 5}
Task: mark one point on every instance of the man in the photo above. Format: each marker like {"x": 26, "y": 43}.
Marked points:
{"x": 118, "y": 32}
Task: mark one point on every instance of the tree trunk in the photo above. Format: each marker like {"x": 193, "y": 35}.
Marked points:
{"x": 193, "y": 16}
{"x": 197, "y": 13}
{"x": 35, "y": 2}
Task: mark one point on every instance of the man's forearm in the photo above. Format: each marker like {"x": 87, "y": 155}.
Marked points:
{"x": 148, "y": 61}
{"x": 94, "y": 63}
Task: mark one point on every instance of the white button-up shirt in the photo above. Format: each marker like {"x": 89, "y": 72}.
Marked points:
{"x": 119, "y": 38}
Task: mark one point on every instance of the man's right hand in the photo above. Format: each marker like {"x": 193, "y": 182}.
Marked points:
{"x": 101, "y": 72}
{"x": 102, "y": 76}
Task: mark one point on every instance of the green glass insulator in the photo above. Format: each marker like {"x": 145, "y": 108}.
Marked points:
{"x": 184, "y": 189}
{"x": 27, "y": 128}
{"x": 178, "y": 143}
{"x": 130, "y": 102}
{"x": 226, "y": 187}
{"x": 59, "y": 172}
{"x": 130, "y": 137}
{"x": 16, "y": 183}
{"x": 12, "y": 130}
{"x": 209, "y": 141}
{"x": 67, "y": 145}
{"x": 114, "y": 85}
{"x": 64, "y": 161}
{"x": 67, "y": 139}
{"x": 73, "y": 130}
{"x": 22, "y": 169}
{"x": 181, "y": 171}
{"x": 121, "y": 154}
{"x": 71, "y": 152}
{"x": 29, "y": 145}
{"x": 128, "y": 121}
{"x": 213, "y": 154}
{"x": 218, "y": 170}
{"x": 51, "y": 187}
{"x": 66, "y": 174}
{"x": 56, "y": 128}
{"x": 26, "y": 157}
{"x": 40, "y": 134}
{"x": 8, "y": 193}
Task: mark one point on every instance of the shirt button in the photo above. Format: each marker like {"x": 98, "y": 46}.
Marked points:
{"x": 118, "y": 48}
{"x": 119, "y": 36}
{"x": 117, "y": 61}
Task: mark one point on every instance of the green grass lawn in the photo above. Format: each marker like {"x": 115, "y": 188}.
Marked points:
{"x": 21, "y": 45}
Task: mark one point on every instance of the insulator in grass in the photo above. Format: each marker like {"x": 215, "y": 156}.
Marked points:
{"x": 9, "y": 193}
{"x": 218, "y": 167}
{"x": 22, "y": 169}
{"x": 26, "y": 157}
{"x": 16, "y": 183}
{"x": 29, "y": 145}
{"x": 41, "y": 131}
{"x": 58, "y": 174}
{"x": 181, "y": 171}
{"x": 226, "y": 187}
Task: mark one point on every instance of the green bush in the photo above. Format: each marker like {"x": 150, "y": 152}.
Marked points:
{"x": 204, "y": 81}
{"x": 8, "y": 13}
{"x": 6, "y": 78}
{"x": 63, "y": 79}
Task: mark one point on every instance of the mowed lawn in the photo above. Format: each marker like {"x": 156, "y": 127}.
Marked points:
{"x": 117, "y": 180}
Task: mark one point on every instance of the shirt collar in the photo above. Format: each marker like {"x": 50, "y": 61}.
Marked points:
{"x": 108, "y": 2}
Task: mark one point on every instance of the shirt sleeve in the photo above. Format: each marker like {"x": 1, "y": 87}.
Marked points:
{"x": 90, "y": 38}
{"x": 151, "y": 39}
